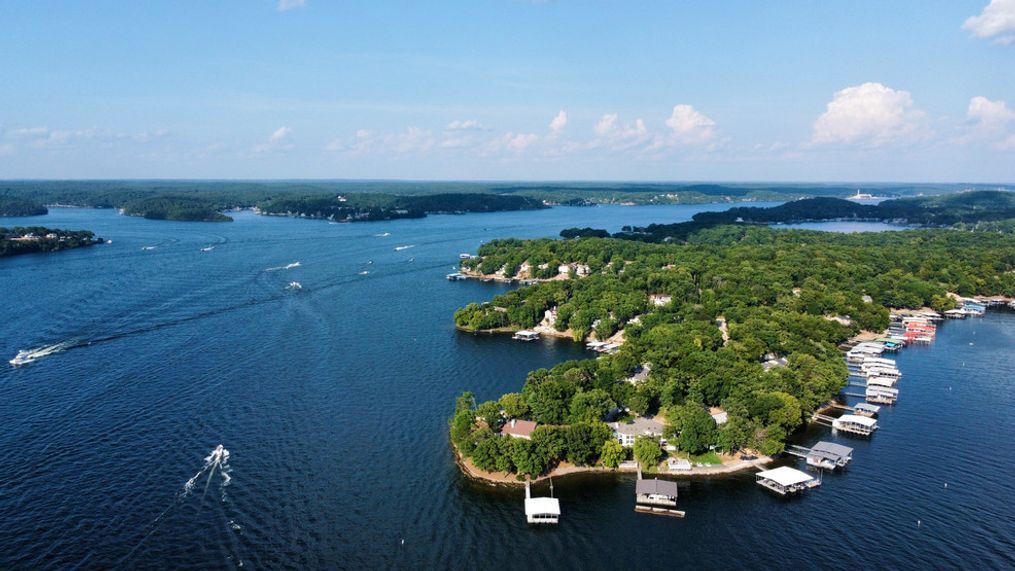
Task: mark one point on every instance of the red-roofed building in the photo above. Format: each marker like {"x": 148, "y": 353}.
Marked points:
{"x": 519, "y": 428}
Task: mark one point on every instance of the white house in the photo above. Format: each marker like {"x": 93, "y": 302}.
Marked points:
{"x": 627, "y": 432}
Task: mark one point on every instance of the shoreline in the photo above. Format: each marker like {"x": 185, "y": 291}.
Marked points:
{"x": 470, "y": 471}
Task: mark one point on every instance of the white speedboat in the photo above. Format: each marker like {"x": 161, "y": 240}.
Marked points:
{"x": 208, "y": 249}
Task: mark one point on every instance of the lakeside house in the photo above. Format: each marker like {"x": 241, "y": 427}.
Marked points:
{"x": 719, "y": 415}
{"x": 516, "y": 428}
{"x": 640, "y": 375}
{"x": 627, "y": 432}
{"x": 660, "y": 299}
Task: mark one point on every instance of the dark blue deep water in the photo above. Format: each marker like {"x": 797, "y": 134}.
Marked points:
{"x": 332, "y": 402}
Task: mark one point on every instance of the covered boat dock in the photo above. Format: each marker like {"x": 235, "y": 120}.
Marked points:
{"x": 785, "y": 480}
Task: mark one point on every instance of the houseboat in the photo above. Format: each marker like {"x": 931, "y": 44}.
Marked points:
{"x": 855, "y": 424}
{"x": 786, "y": 481}
{"x": 525, "y": 335}
{"x": 456, "y": 277}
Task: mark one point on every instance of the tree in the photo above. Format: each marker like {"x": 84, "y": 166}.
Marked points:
{"x": 612, "y": 453}
{"x": 590, "y": 406}
{"x": 585, "y": 440}
{"x": 514, "y": 405}
{"x": 489, "y": 411}
{"x": 550, "y": 401}
{"x": 735, "y": 434}
{"x": 696, "y": 428}
{"x": 648, "y": 452}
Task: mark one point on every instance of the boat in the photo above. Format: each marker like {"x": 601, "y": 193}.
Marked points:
{"x": 294, "y": 285}
{"x": 22, "y": 358}
{"x": 147, "y": 248}
{"x": 364, "y": 272}
{"x": 208, "y": 249}
{"x": 525, "y": 335}
{"x": 26, "y": 356}
{"x": 400, "y": 248}
{"x": 464, "y": 256}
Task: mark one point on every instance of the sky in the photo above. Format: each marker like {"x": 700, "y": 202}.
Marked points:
{"x": 908, "y": 90}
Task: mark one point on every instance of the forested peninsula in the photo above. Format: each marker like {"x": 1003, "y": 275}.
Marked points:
{"x": 210, "y": 201}
{"x": 994, "y": 208}
{"x": 37, "y": 239}
{"x": 741, "y": 320}
{"x": 12, "y": 206}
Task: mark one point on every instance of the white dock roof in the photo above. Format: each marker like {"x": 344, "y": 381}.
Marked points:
{"x": 867, "y": 406}
{"x": 785, "y": 476}
{"x": 542, "y": 506}
{"x": 862, "y": 420}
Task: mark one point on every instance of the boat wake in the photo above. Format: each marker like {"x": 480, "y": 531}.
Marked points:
{"x": 400, "y": 248}
{"x": 26, "y": 356}
{"x": 383, "y": 234}
{"x": 217, "y": 460}
{"x": 285, "y": 267}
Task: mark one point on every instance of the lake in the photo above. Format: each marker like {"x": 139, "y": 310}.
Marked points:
{"x": 333, "y": 403}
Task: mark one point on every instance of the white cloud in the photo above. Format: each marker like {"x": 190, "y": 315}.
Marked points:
{"x": 510, "y": 142}
{"x": 558, "y": 123}
{"x": 28, "y": 132}
{"x": 997, "y": 21}
{"x": 989, "y": 121}
{"x": 466, "y": 125}
{"x": 689, "y": 126}
{"x": 280, "y": 134}
{"x": 277, "y": 141}
{"x": 606, "y": 124}
{"x": 869, "y": 114}
{"x": 286, "y": 5}
{"x": 412, "y": 140}
{"x": 989, "y": 113}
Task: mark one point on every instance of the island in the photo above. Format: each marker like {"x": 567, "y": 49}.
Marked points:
{"x": 37, "y": 239}
{"x": 714, "y": 349}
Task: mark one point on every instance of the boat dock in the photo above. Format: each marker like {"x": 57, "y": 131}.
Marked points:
{"x": 786, "y": 481}
{"x": 541, "y": 510}
{"x": 656, "y": 497}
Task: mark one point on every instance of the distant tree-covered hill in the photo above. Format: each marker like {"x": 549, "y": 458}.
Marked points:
{"x": 13, "y": 206}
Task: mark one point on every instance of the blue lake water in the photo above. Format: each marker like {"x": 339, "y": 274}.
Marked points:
{"x": 844, "y": 226}
{"x": 333, "y": 403}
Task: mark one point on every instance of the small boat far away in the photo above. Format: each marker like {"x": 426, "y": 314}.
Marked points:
{"x": 400, "y": 248}
{"x": 294, "y": 285}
